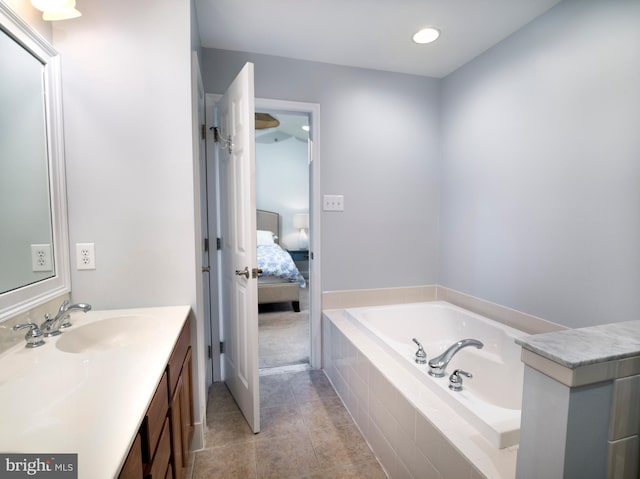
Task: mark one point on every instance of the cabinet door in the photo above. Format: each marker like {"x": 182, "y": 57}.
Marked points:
{"x": 176, "y": 430}
{"x": 186, "y": 408}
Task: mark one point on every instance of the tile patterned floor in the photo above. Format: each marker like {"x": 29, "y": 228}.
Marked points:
{"x": 306, "y": 433}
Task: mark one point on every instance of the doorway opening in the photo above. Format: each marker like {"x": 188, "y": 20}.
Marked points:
{"x": 311, "y": 295}
{"x": 283, "y": 204}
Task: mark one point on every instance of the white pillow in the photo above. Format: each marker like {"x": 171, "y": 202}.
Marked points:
{"x": 265, "y": 237}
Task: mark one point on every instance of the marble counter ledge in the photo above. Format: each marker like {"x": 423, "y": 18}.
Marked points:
{"x": 574, "y": 348}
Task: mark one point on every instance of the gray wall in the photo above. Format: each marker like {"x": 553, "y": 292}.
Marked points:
{"x": 285, "y": 162}
{"x": 128, "y": 139}
{"x": 524, "y": 164}
{"x": 541, "y": 168}
{"x": 379, "y": 148}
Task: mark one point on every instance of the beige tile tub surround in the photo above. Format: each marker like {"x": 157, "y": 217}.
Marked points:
{"x": 379, "y": 297}
{"x": 414, "y": 433}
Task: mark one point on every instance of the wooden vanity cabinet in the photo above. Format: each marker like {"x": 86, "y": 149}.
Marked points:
{"x": 161, "y": 448}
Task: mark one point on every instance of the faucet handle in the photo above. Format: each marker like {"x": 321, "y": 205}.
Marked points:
{"x": 455, "y": 380}
{"x": 63, "y": 306}
{"x": 421, "y": 355}
{"x": 49, "y": 326}
{"x": 33, "y": 336}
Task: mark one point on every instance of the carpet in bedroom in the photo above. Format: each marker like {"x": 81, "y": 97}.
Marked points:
{"x": 283, "y": 334}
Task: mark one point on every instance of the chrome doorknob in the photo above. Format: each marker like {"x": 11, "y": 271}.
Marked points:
{"x": 244, "y": 272}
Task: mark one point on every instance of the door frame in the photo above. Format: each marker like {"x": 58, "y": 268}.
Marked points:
{"x": 315, "y": 289}
{"x": 213, "y": 217}
{"x": 201, "y": 311}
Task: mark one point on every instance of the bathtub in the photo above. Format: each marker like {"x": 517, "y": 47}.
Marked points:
{"x": 491, "y": 400}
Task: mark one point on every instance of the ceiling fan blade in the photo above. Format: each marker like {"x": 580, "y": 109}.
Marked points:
{"x": 265, "y": 120}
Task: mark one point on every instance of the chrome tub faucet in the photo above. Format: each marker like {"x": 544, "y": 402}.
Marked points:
{"x": 438, "y": 364}
{"x": 51, "y": 326}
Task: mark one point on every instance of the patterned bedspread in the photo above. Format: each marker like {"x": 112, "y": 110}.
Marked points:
{"x": 274, "y": 261}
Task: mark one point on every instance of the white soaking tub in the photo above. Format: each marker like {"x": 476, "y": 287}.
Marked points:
{"x": 491, "y": 400}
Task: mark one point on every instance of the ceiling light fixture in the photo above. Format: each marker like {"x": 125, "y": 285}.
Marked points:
{"x": 426, "y": 35}
{"x": 53, "y": 10}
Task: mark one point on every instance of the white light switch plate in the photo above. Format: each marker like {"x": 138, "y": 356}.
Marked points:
{"x": 333, "y": 203}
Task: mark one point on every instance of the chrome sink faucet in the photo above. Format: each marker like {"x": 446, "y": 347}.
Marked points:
{"x": 51, "y": 326}
{"x": 438, "y": 364}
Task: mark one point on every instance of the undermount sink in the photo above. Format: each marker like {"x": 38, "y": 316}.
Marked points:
{"x": 107, "y": 334}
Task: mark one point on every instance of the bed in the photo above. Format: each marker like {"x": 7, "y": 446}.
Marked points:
{"x": 285, "y": 287}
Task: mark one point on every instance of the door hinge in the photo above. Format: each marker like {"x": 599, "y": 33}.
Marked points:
{"x": 221, "y": 347}
{"x": 218, "y": 243}
{"x": 209, "y": 349}
{"x": 203, "y": 132}
{"x": 206, "y": 245}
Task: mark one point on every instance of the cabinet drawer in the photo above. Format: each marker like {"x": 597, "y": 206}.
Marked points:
{"x": 154, "y": 420}
{"x": 132, "y": 468}
{"x": 177, "y": 356}
{"x": 158, "y": 467}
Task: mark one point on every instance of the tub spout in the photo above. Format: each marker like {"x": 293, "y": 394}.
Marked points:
{"x": 438, "y": 364}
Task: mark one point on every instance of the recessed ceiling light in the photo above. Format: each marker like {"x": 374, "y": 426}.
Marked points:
{"x": 426, "y": 35}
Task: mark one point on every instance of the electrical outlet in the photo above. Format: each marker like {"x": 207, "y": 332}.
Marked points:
{"x": 85, "y": 256}
{"x": 333, "y": 202}
{"x": 41, "y": 257}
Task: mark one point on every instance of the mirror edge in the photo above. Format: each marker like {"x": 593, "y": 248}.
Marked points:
{"x": 27, "y": 297}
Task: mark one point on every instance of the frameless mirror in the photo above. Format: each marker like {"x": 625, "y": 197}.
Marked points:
{"x": 33, "y": 240}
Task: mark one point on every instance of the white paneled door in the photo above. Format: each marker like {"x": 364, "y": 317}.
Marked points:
{"x": 236, "y": 153}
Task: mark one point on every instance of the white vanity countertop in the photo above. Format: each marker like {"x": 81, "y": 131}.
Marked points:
{"x": 91, "y": 402}
{"x": 573, "y": 348}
